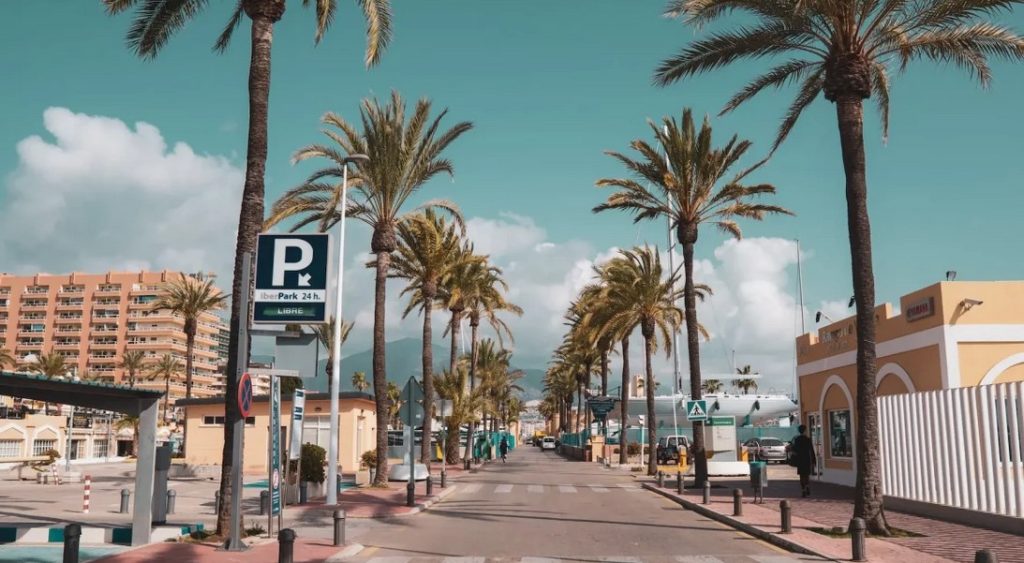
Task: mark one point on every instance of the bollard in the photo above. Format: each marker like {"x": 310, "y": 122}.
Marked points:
{"x": 410, "y": 494}
{"x": 737, "y": 502}
{"x": 466, "y": 464}
{"x": 430, "y": 485}
{"x": 171, "y": 498}
{"x": 661, "y": 480}
{"x": 125, "y": 499}
{"x": 72, "y": 539}
{"x": 679, "y": 482}
{"x": 985, "y": 556}
{"x": 707, "y": 492}
{"x": 85, "y": 494}
{"x": 216, "y": 502}
{"x": 857, "y": 531}
{"x": 339, "y": 527}
{"x": 787, "y": 517}
{"x": 444, "y": 478}
{"x": 264, "y": 502}
{"x": 286, "y": 546}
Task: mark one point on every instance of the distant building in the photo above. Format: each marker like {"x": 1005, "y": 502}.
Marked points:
{"x": 93, "y": 319}
{"x": 223, "y": 338}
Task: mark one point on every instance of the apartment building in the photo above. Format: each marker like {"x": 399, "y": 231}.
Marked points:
{"x": 93, "y": 319}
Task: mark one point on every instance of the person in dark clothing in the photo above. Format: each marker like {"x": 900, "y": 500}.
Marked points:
{"x": 503, "y": 448}
{"x": 804, "y": 459}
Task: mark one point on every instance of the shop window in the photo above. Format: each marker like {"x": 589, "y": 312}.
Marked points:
{"x": 219, "y": 421}
{"x": 840, "y": 432}
{"x": 99, "y": 448}
{"x": 10, "y": 448}
{"x": 40, "y": 447}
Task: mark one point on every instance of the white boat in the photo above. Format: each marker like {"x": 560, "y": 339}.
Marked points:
{"x": 749, "y": 409}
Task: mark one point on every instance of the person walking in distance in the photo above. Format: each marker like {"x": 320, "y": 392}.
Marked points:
{"x": 804, "y": 460}
{"x": 503, "y": 448}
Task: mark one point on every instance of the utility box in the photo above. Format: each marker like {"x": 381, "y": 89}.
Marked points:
{"x": 163, "y": 466}
{"x": 720, "y": 438}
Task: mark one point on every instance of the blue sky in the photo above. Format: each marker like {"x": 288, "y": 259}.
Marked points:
{"x": 549, "y": 86}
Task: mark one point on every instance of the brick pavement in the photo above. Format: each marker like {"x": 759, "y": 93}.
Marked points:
{"x": 832, "y": 506}
{"x": 306, "y": 551}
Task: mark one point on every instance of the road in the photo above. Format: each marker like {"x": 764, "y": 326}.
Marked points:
{"x": 540, "y": 508}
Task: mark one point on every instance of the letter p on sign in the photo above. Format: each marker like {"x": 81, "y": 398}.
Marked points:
{"x": 281, "y": 263}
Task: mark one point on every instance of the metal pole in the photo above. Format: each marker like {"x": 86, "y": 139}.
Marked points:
{"x": 444, "y": 447}
{"x": 242, "y": 361}
{"x": 67, "y": 450}
{"x": 72, "y": 539}
{"x": 172, "y": 496}
{"x": 286, "y": 546}
{"x": 332, "y": 446}
{"x": 264, "y": 502}
{"x": 675, "y": 332}
{"x": 410, "y": 487}
{"x": 803, "y": 327}
{"x": 707, "y": 492}
{"x": 339, "y": 527}
{"x": 125, "y": 496}
{"x": 787, "y": 517}
{"x": 737, "y": 502}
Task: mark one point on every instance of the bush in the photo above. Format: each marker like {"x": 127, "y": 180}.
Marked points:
{"x": 254, "y": 528}
{"x": 313, "y": 459}
{"x": 633, "y": 448}
{"x": 369, "y": 458}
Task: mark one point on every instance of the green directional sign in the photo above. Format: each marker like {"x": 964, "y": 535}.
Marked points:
{"x": 601, "y": 406}
{"x": 697, "y": 410}
{"x": 721, "y": 421}
{"x": 271, "y": 312}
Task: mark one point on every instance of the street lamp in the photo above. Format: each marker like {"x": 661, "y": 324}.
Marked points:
{"x": 335, "y": 384}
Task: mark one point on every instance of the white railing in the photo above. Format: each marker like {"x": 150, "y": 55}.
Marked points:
{"x": 956, "y": 447}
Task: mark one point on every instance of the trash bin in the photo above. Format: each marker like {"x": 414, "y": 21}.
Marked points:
{"x": 758, "y": 478}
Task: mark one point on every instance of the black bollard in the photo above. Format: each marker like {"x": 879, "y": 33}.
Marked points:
{"x": 857, "y": 531}
{"x": 72, "y": 539}
{"x": 216, "y": 501}
{"x": 985, "y": 556}
{"x": 661, "y": 480}
{"x": 787, "y": 517}
{"x": 410, "y": 494}
{"x": 444, "y": 478}
{"x": 125, "y": 499}
{"x": 339, "y": 527}
{"x": 430, "y": 485}
{"x": 264, "y": 502}
{"x": 466, "y": 465}
{"x": 737, "y": 502}
{"x": 172, "y": 497}
{"x": 679, "y": 482}
{"x": 707, "y": 492}
{"x": 286, "y": 546}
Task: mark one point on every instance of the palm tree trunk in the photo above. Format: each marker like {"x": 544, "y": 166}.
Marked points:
{"x": 700, "y": 460}
{"x": 250, "y": 222}
{"x": 167, "y": 394}
{"x": 624, "y": 402}
{"x": 652, "y": 453}
{"x": 426, "y": 455}
{"x": 190, "y": 345}
{"x": 604, "y": 372}
{"x": 579, "y": 406}
{"x": 868, "y": 499}
{"x": 380, "y": 384}
{"x": 454, "y": 354}
{"x": 452, "y": 445}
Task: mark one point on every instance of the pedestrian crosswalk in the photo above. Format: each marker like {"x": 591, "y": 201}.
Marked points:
{"x": 506, "y": 488}
{"x": 692, "y": 558}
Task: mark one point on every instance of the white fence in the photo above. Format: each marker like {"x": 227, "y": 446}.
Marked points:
{"x": 956, "y": 447}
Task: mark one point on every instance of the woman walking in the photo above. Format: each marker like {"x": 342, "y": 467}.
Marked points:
{"x": 804, "y": 459}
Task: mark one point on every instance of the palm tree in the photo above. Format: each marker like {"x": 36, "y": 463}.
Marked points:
{"x": 745, "y": 384}
{"x": 131, "y": 422}
{"x": 711, "y": 386}
{"x": 843, "y": 50}
{"x": 452, "y": 386}
{"x": 403, "y": 156}
{"x": 190, "y": 298}
{"x": 687, "y": 179}
{"x": 325, "y": 334}
{"x": 49, "y": 365}
{"x": 428, "y": 251}
{"x": 155, "y": 21}
{"x": 645, "y": 298}
{"x": 6, "y": 358}
{"x": 167, "y": 367}
{"x": 359, "y": 381}
{"x": 394, "y": 398}
{"x": 132, "y": 362}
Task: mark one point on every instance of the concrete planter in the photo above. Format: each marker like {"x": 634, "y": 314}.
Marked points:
{"x": 363, "y": 477}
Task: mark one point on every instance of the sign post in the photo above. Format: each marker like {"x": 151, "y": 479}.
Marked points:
{"x": 412, "y": 412}
{"x": 697, "y": 410}
{"x": 274, "y": 455}
{"x": 291, "y": 278}
{"x": 242, "y": 364}
{"x": 295, "y": 441}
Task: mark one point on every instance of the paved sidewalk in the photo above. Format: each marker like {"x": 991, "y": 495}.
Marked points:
{"x": 262, "y": 552}
{"x": 832, "y": 506}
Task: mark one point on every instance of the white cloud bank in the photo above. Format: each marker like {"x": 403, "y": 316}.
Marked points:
{"x": 102, "y": 195}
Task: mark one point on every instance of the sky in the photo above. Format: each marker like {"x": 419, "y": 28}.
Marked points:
{"x": 112, "y": 162}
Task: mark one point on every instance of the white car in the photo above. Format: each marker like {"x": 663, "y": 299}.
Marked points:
{"x": 548, "y": 443}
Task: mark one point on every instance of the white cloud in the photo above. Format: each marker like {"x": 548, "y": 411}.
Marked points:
{"x": 102, "y": 195}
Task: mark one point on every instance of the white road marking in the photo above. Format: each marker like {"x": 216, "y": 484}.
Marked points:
{"x": 464, "y": 560}
{"x": 773, "y": 559}
{"x": 598, "y": 489}
{"x": 396, "y": 559}
{"x": 566, "y": 489}
{"x": 535, "y": 488}
{"x": 503, "y": 489}
{"x": 698, "y": 559}
{"x": 471, "y": 488}
{"x": 617, "y": 559}
{"x": 629, "y": 487}
{"x": 539, "y": 560}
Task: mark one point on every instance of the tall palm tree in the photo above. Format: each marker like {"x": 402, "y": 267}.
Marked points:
{"x": 325, "y": 334}
{"x": 403, "y": 156}
{"x": 6, "y": 358}
{"x": 691, "y": 190}
{"x": 394, "y": 398}
{"x": 154, "y": 23}
{"x": 429, "y": 249}
{"x": 190, "y": 298}
{"x": 166, "y": 368}
{"x": 452, "y": 386}
{"x": 646, "y": 297}
{"x": 359, "y": 381}
{"x": 845, "y": 50}
{"x": 50, "y": 364}
{"x": 132, "y": 363}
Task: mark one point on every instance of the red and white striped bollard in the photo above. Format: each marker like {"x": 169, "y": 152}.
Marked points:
{"x": 85, "y": 499}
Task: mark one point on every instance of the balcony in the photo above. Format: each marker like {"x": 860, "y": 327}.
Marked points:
{"x": 106, "y": 305}
{"x": 29, "y": 346}
{"x": 72, "y": 289}
{"x": 64, "y": 318}
{"x": 37, "y": 290}
{"x": 108, "y": 290}
{"x": 111, "y": 329}
{"x": 103, "y": 317}
{"x": 33, "y": 305}
{"x": 31, "y": 333}
{"x": 70, "y": 306}
{"x": 93, "y": 358}
{"x": 68, "y": 329}
{"x": 139, "y": 289}
{"x": 67, "y": 345}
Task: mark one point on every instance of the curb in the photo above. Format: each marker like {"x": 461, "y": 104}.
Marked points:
{"x": 350, "y": 550}
{"x": 430, "y": 502}
{"x": 91, "y": 535}
{"x": 758, "y": 533}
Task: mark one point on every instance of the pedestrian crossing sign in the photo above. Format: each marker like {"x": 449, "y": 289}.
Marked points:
{"x": 697, "y": 410}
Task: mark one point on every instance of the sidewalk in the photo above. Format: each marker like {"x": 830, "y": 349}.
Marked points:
{"x": 832, "y": 506}
{"x": 263, "y": 551}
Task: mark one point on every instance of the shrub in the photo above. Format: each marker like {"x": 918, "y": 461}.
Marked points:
{"x": 369, "y": 458}
{"x": 633, "y": 448}
{"x": 313, "y": 459}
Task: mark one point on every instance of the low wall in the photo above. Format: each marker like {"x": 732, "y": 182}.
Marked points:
{"x": 974, "y": 518}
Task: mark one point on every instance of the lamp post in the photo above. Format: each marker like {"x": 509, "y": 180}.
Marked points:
{"x": 332, "y": 446}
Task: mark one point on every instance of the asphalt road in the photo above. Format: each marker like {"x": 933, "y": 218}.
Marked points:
{"x": 540, "y": 508}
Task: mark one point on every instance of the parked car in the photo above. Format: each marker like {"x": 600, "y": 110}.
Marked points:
{"x": 668, "y": 448}
{"x": 548, "y": 443}
{"x": 766, "y": 449}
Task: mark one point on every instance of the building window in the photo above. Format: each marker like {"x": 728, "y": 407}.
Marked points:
{"x": 219, "y": 421}
{"x": 10, "y": 448}
{"x": 840, "y": 434}
{"x": 40, "y": 447}
{"x": 99, "y": 448}
{"x": 317, "y": 430}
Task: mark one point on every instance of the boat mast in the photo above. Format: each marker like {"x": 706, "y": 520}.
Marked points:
{"x": 803, "y": 327}
{"x": 675, "y": 331}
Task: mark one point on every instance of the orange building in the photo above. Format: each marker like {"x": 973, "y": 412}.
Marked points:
{"x": 92, "y": 319}
{"x": 945, "y": 336}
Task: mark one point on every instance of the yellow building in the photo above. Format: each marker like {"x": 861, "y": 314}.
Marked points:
{"x": 204, "y": 418}
{"x": 947, "y": 335}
